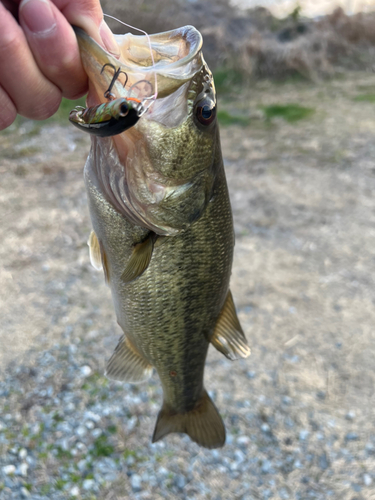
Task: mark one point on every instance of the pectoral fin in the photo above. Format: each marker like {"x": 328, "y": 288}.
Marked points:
{"x": 127, "y": 365}
{"x": 228, "y": 336}
{"x": 98, "y": 256}
{"x": 139, "y": 259}
{"x": 95, "y": 257}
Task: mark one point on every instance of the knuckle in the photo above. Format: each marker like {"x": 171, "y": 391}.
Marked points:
{"x": 8, "y": 111}
{"x": 43, "y": 107}
{"x": 10, "y": 44}
{"x": 6, "y": 119}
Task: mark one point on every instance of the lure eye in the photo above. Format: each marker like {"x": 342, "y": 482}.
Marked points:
{"x": 124, "y": 109}
{"x": 205, "y": 112}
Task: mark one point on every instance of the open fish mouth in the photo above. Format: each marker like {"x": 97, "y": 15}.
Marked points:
{"x": 157, "y": 65}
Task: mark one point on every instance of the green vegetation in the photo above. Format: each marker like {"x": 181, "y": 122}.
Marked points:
{"x": 61, "y": 453}
{"x": 66, "y": 106}
{"x": 289, "y": 112}
{"x": 226, "y": 80}
{"x": 60, "y": 483}
{"x": 129, "y": 453}
{"x": 365, "y": 98}
{"x": 102, "y": 448}
{"x": 226, "y": 118}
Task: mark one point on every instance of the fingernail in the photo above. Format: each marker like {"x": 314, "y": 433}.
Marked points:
{"x": 108, "y": 39}
{"x": 38, "y": 16}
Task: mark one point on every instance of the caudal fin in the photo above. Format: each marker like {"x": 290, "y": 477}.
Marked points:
{"x": 203, "y": 424}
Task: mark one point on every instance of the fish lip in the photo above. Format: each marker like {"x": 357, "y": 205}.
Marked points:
{"x": 182, "y": 44}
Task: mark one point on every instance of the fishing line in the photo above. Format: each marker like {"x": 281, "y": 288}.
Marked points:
{"x": 155, "y": 95}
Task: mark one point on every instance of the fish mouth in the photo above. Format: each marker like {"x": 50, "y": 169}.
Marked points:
{"x": 176, "y": 58}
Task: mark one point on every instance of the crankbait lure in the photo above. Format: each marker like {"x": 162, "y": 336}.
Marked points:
{"x": 109, "y": 118}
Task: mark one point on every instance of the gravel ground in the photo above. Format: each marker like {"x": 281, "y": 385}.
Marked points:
{"x": 299, "y": 412}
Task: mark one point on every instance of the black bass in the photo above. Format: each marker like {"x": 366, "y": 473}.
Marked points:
{"x": 162, "y": 226}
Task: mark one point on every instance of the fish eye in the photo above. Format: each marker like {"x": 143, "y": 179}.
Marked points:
{"x": 205, "y": 112}
{"x": 124, "y": 109}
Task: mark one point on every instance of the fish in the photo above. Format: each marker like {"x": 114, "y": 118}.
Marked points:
{"x": 162, "y": 225}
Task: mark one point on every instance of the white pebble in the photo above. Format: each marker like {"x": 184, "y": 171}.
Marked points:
{"x": 81, "y": 431}
{"x": 162, "y": 471}
{"x": 9, "y": 469}
{"x": 22, "y": 453}
{"x": 88, "y": 484}
{"x": 22, "y": 469}
{"x": 25, "y": 492}
{"x": 367, "y": 479}
{"x": 89, "y": 415}
{"x": 243, "y": 440}
{"x": 135, "y": 481}
{"x": 303, "y": 434}
{"x": 96, "y": 433}
{"x": 350, "y": 415}
{"x": 85, "y": 371}
{"x": 265, "y": 428}
{"x": 74, "y": 491}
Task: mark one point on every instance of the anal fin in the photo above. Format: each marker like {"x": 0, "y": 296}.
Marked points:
{"x": 127, "y": 365}
{"x": 228, "y": 336}
{"x": 139, "y": 259}
{"x": 202, "y": 424}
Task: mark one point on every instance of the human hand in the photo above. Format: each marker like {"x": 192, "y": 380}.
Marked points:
{"x": 39, "y": 55}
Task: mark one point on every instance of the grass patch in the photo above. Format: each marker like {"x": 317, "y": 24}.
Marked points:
{"x": 365, "y": 98}
{"x": 289, "y": 112}
{"x": 129, "y": 453}
{"x": 226, "y": 119}
{"x": 102, "y": 448}
{"x": 63, "y": 454}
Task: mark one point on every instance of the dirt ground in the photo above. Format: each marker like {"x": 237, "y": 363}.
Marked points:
{"x": 303, "y": 198}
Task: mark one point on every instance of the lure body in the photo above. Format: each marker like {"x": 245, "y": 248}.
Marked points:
{"x": 108, "y": 119}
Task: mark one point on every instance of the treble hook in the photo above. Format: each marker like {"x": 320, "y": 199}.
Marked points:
{"x": 108, "y": 94}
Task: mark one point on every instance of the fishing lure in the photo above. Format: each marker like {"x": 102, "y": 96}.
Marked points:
{"x": 109, "y": 118}
{"x": 116, "y": 115}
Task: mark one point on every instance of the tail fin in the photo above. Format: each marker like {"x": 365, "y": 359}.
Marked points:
{"x": 203, "y": 424}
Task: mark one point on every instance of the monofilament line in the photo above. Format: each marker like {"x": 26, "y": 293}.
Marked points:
{"x": 154, "y": 97}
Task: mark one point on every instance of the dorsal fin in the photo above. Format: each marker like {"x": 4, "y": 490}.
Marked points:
{"x": 139, "y": 259}
{"x": 127, "y": 365}
{"x": 228, "y": 336}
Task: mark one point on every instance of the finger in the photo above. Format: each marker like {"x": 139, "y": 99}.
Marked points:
{"x": 31, "y": 93}
{"x": 8, "y": 111}
{"x": 88, "y": 15}
{"x": 54, "y": 46}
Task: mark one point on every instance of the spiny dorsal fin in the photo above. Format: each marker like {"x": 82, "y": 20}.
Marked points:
{"x": 127, "y": 365}
{"x": 95, "y": 257}
{"x": 202, "y": 424}
{"x": 139, "y": 259}
{"x": 228, "y": 336}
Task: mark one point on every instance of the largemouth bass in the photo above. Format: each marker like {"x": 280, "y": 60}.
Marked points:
{"x": 162, "y": 226}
